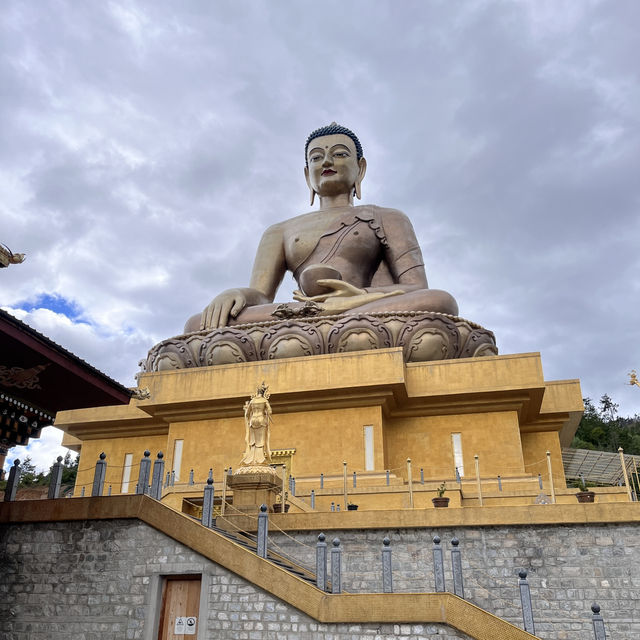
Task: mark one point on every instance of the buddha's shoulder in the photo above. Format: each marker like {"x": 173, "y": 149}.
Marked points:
{"x": 363, "y": 211}
{"x": 296, "y": 221}
{"x": 385, "y": 214}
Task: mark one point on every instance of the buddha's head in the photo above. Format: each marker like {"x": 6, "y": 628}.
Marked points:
{"x": 334, "y": 162}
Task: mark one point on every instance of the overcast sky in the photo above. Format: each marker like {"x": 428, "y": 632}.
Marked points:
{"x": 145, "y": 146}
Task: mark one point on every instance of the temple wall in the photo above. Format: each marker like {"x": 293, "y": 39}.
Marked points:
{"x": 494, "y": 437}
{"x": 101, "y": 579}
{"x": 534, "y": 449}
{"x": 501, "y": 406}
{"x": 116, "y": 449}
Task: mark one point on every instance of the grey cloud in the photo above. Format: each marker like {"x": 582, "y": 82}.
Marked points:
{"x": 154, "y": 143}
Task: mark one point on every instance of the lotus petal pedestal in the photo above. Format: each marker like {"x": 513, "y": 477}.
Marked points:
{"x": 423, "y": 336}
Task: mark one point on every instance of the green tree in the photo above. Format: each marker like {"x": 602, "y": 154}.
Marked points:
{"x": 69, "y": 468}
{"x": 602, "y": 429}
{"x": 29, "y": 476}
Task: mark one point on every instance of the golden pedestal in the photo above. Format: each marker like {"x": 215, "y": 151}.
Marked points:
{"x": 370, "y": 409}
{"x": 251, "y": 490}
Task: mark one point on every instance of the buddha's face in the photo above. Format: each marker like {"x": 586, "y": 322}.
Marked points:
{"x": 333, "y": 165}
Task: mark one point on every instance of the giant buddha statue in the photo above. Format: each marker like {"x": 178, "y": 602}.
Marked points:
{"x": 361, "y": 279}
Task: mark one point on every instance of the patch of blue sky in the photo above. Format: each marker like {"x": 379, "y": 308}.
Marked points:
{"x": 129, "y": 330}
{"x": 57, "y": 304}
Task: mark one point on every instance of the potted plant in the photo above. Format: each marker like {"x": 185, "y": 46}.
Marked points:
{"x": 584, "y": 494}
{"x": 351, "y": 506}
{"x": 440, "y": 500}
{"x": 277, "y": 507}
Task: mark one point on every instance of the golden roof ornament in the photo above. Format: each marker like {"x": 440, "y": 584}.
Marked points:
{"x": 7, "y": 256}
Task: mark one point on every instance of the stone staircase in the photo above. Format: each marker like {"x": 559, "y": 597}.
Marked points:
{"x": 280, "y": 560}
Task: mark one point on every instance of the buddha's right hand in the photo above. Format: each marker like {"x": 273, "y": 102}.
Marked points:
{"x": 229, "y": 303}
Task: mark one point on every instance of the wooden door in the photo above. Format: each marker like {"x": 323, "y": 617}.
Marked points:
{"x": 180, "y": 606}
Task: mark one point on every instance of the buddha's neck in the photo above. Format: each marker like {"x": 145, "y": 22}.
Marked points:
{"x": 337, "y": 201}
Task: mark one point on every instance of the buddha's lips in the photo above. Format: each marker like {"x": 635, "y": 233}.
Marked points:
{"x": 328, "y": 172}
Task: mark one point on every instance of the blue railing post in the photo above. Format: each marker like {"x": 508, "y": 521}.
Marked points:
{"x": 456, "y": 565}
{"x": 12, "y": 482}
{"x": 99, "y": 476}
{"x": 438, "y": 564}
{"x": 144, "y": 473}
{"x": 263, "y": 531}
{"x": 598, "y": 623}
{"x": 321, "y": 563}
{"x": 336, "y": 569}
{"x": 387, "y": 576}
{"x": 158, "y": 473}
{"x": 207, "y": 504}
{"x": 525, "y": 599}
{"x": 56, "y": 479}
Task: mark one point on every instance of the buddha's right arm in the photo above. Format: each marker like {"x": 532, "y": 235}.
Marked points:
{"x": 270, "y": 263}
{"x": 269, "y": 268}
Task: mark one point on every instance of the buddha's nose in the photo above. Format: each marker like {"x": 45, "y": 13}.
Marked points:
{"x": 328, "y": 161}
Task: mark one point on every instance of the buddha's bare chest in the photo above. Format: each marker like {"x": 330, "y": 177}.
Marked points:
{"x": 346, "y": 236}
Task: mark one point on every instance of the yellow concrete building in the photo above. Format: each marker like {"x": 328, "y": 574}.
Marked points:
{"x": 481, "y": 425}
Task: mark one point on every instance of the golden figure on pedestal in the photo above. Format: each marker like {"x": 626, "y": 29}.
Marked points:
{"x": 257, "y": 417}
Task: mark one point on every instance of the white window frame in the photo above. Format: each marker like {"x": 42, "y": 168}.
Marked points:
{"x": 126, "y": 472}
{"x": 369, "y": 449}
{"x": 458, "y": 458}
{"x": 177, "y": 458}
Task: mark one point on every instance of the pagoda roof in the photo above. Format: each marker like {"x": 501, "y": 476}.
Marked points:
{"x": 38, "y": 378}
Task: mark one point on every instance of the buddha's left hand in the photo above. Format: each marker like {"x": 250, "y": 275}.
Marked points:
{"x": 344, "y": 296}
{"x": 341, "y": 289}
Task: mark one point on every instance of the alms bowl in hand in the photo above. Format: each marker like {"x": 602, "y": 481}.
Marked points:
{"x": 314, "y": 272}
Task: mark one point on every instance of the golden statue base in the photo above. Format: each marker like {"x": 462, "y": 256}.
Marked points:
{"x": 252, "y": 487}
{"x": 255, "y": 468}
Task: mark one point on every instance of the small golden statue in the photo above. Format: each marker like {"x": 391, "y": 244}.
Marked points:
{"x": 257, "y": 417}
{"x": 633, "y": 378}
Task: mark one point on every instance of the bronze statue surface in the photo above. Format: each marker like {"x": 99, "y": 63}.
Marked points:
{"x": 349, "y": 261}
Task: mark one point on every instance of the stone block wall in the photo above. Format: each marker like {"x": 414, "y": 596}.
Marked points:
{"x": 569, "y": 568}
{"x": 99, "y": 580}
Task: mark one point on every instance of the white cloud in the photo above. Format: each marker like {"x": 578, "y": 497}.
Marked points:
{"x": 43, "y": 451}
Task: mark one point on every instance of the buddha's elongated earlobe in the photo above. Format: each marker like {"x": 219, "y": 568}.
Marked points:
{"x": 312, "y": 193}
{"x": 362, "y": 163}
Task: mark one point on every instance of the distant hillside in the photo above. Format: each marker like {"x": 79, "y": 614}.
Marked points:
{"x": 602, "y": 429}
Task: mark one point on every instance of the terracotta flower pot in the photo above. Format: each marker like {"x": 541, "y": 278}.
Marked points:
{"x": 277, "y": 507}
{"x": 440, "y": 502}
{"x": 585, "y": 496}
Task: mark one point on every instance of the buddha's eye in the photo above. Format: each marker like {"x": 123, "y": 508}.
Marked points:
{"x": 315, "y": 158}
